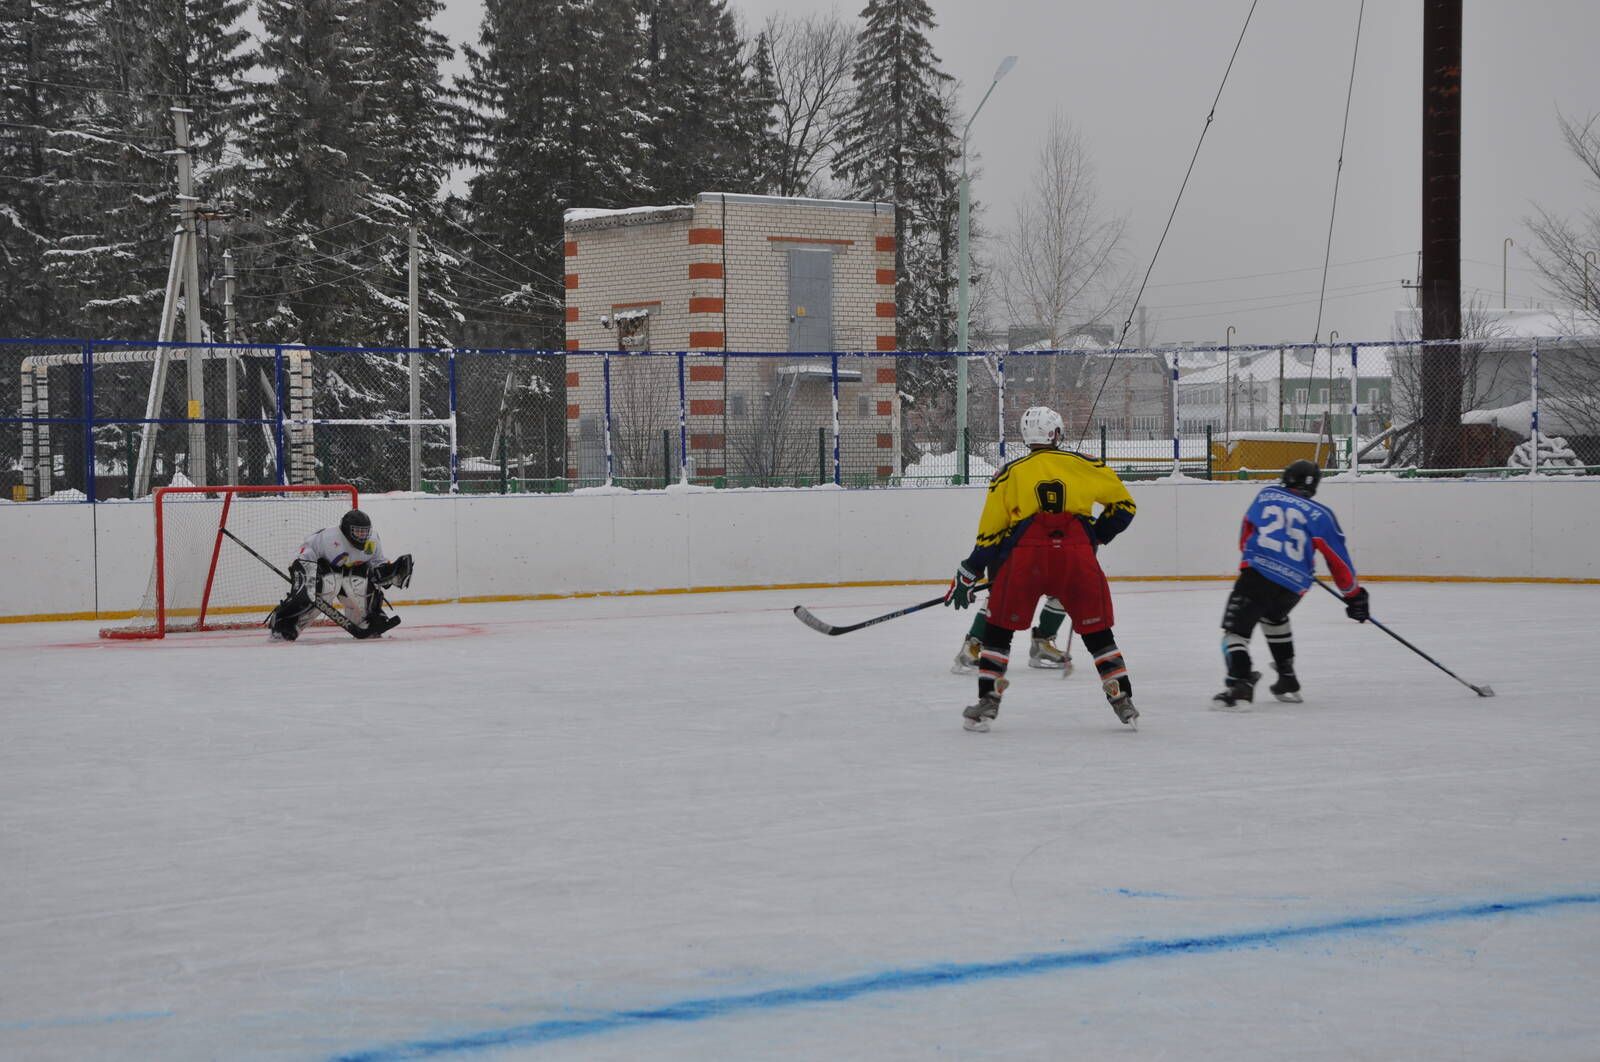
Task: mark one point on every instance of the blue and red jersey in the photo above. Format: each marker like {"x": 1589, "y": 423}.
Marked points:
{"x": 1281, "y": 535}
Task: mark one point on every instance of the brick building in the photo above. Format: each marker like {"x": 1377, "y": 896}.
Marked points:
{"x": 725, "y": 277}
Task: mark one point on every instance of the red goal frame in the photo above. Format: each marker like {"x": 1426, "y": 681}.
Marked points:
{"x": 228, "y": 493}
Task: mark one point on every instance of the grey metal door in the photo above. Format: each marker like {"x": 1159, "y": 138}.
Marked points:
{"x": 811, "y": 300}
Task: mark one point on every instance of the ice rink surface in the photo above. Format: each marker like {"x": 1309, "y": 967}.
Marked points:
{"x": 688, "y": 827}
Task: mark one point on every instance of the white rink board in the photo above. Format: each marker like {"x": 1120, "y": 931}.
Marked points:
{"x": 689, "y": 828}
{"x": 80, "y": 559}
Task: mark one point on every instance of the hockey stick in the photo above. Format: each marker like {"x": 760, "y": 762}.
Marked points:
{"x": 804, "y": 615}
{"x": 1482, "y": 691}
{"x": 316, "y": 602}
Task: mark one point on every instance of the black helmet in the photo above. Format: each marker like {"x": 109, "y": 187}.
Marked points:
{"x": 356, "y": 526}
{"x": 1302, "y": 477}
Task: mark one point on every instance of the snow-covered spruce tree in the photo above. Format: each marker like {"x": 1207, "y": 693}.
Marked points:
{"x": 701, "y": 136}
{"x": 554, "y": 119}
{"x": 759, "y": 119}
{"x": 900, "y": 145}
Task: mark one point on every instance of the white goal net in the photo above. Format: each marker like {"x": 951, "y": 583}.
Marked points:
{"x": 203, "y": 577}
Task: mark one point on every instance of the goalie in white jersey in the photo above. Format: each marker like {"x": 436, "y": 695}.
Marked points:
{"x": 344, "y": 565}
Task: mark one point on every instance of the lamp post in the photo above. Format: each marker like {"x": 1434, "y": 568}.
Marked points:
{"x": 1227, "y": 382}
{"x": 1504, "y": 249}
{"x": 962, "y": 279}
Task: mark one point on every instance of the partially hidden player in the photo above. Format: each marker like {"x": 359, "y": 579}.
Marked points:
{"x": 1037, "y": 537}
{"x": 1283, "y": 530}
{"x": 344, "y": 565}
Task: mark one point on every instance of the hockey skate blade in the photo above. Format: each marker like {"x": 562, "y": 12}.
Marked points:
{"x": 976, "y": 726}
{"x": 1237, "y": 709}
{"x": 1290, "y": 698}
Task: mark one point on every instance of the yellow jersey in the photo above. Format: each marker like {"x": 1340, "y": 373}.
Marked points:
{"x": 1049, "y": 481}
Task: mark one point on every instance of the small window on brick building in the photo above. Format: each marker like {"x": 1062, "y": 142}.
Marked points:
{"x": 736, "y": 405}
{"x": 862, "y": 404}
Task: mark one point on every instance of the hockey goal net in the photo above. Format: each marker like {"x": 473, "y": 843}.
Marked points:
{"x": 204, "y": 580}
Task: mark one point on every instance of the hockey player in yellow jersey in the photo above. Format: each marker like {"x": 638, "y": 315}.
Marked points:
{"x": 1037, "y": 536}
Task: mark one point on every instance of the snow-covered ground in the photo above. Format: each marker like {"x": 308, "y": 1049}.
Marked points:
{"x": 690, "y": 828}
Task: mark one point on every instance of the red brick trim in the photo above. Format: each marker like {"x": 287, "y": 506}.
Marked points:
{"x": 571, "y": 281}
{"x": 645, "y": 305}
{"x": 572, "y": 411}
{"x": 705, "y": 340}
{"x": 810, "y": 239}
{"x": 711, "y": 441}
{"x": 885, "y": 309}
{"x": 705, "y": 305}
{"x": 885, "y": 408}
{"x": 705, "y": 270}
{"x": 572, "y": 344}
{"x": 572, "y": 314}
{"x": 572, "y": 379}
{"x": 702, "y": 473}
{"x": 886, "y": 276}
{"x": 886, "y": 374}
{"x": 705, "y": 407}
{"x": 885, "y": 470}
{"x": 705, "y": 373}
{"x": 570, "y": 249}
{"x": 884, "y": 243}
{"x": 885, "y": 440}
{"x": 886, "y": 342}
{"x": 705, "y": 236}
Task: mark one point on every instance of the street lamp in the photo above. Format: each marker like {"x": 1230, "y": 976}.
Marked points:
{"x": 962, "y": 279}
{"x": 1505, "y": 301}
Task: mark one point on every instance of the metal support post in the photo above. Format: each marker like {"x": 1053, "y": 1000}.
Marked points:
{"x": 88, "y": 422}
{"x": 1355, "y": 409}
{"x": 605, "y": 413}
{"x": 196, "y": 361}
{"x": 838, "y": 478}
{"x": 1000, "y": 415}
{"x": 230, "y": 368}
{"x": 1533, "y": 409}
{"x": 413, "y": 341}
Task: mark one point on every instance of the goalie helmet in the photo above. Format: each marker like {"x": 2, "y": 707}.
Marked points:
{"x": 356, "y": 526}
{"x": 1302, "y": 477}
{"x": 1041, "y": 426}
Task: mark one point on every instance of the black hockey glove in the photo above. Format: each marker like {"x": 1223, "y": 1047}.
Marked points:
{"x": 1356, "y": 607}
{"x": 962, "y": 588}
{"x": 395, "y": 573}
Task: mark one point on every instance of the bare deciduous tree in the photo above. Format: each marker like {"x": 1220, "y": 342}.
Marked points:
{"x": 812, "y": 59}
{"x": 1059, "y": 260}
{"x": 1566, "y": 258}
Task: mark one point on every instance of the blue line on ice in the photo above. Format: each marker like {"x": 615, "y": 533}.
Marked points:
{"x": 942, "y": 975}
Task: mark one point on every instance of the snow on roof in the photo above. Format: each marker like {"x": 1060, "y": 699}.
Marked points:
{"x": 1517, "y": 418}
{"x": 594, "y": 217}
{"x": 1259, "y": 366}
{"x": 797, "y": 201}
{"x": 1510, "y": 323}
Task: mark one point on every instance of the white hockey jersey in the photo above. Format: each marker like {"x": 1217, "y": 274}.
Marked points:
{"x": 339, "y": 552}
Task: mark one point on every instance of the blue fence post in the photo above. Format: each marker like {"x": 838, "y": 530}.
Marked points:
{"x": 1177, "y": 423}
{"x": 683, "y": 421}
{"x": 1355, "y": 409}
{"x": 605, "y": 412}
{"x": 455, "y": 451}
{"x": 838, "y": 479}
{"x": 277, "y": 412}
{"x": 88, "y": 421}
{"x": 1533, "y": 410}
{"x": 1000, "y": 364}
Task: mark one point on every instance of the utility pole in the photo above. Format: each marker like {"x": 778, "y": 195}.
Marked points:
{"x": 231, "y": 367}
{"x": 183, "y": 281}
{"x": 413, "y": 342}
{"x": 1441, "y": 232}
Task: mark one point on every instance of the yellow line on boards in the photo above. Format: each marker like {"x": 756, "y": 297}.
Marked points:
{"x": 476, "y": 599}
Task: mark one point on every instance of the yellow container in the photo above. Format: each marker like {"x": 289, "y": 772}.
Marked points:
{"x": 1267, "y": 453}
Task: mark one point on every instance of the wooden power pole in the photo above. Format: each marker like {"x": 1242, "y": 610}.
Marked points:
{"x": 1441, "y": 232}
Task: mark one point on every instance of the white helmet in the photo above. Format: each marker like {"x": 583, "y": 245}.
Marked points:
{"x": 1041, "y": 426}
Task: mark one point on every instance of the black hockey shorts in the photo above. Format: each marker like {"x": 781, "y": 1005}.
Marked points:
{"x": 1256, "y": 598}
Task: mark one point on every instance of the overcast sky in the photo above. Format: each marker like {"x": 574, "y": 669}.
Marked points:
{"x": 1137, "y": 77}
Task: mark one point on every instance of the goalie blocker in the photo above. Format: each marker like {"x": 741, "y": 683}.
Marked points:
{"x": 343, "y": 565}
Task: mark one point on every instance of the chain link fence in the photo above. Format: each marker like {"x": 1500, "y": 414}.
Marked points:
{"x": 113, "y": 420}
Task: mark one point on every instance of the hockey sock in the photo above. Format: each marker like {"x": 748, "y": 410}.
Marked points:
{"x": 1050, "y": 619}
{"x": 1236, "y": 651}
{"x": 980, "y": 625}
{"x": 1280, "y": 639}
{"x": 994, "y": 660}
{"x": 1108, "y": 661}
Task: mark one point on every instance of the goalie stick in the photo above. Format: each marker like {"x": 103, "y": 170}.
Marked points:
{"x": 1482, "y": 691}
{"x": 805, "y": 616}
{"x": 316, "y": 602}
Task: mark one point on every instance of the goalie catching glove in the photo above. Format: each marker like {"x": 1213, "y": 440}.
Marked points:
{"x": 396, "y": 573}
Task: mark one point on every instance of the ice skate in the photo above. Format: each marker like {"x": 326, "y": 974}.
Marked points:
{"x": 977, "y": 717}
{"x": 1121, "y": 703}
{"x": 1287, "y": 687}
{"x": 966, "y": 661}
{"x": 1044, "y": 653}
{"x": 376, "y": 625}
{"x": 1237, "y": 695}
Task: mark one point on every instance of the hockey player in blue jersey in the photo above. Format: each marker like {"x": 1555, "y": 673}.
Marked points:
{"x": 1282, "y": 532}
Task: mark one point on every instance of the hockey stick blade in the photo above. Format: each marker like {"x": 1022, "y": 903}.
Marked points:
{"x": 1482, "y": 691}
{"x": 805, "y": 616}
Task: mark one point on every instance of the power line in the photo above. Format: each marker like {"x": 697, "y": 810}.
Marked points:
{"x": 1287, "y": 272}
